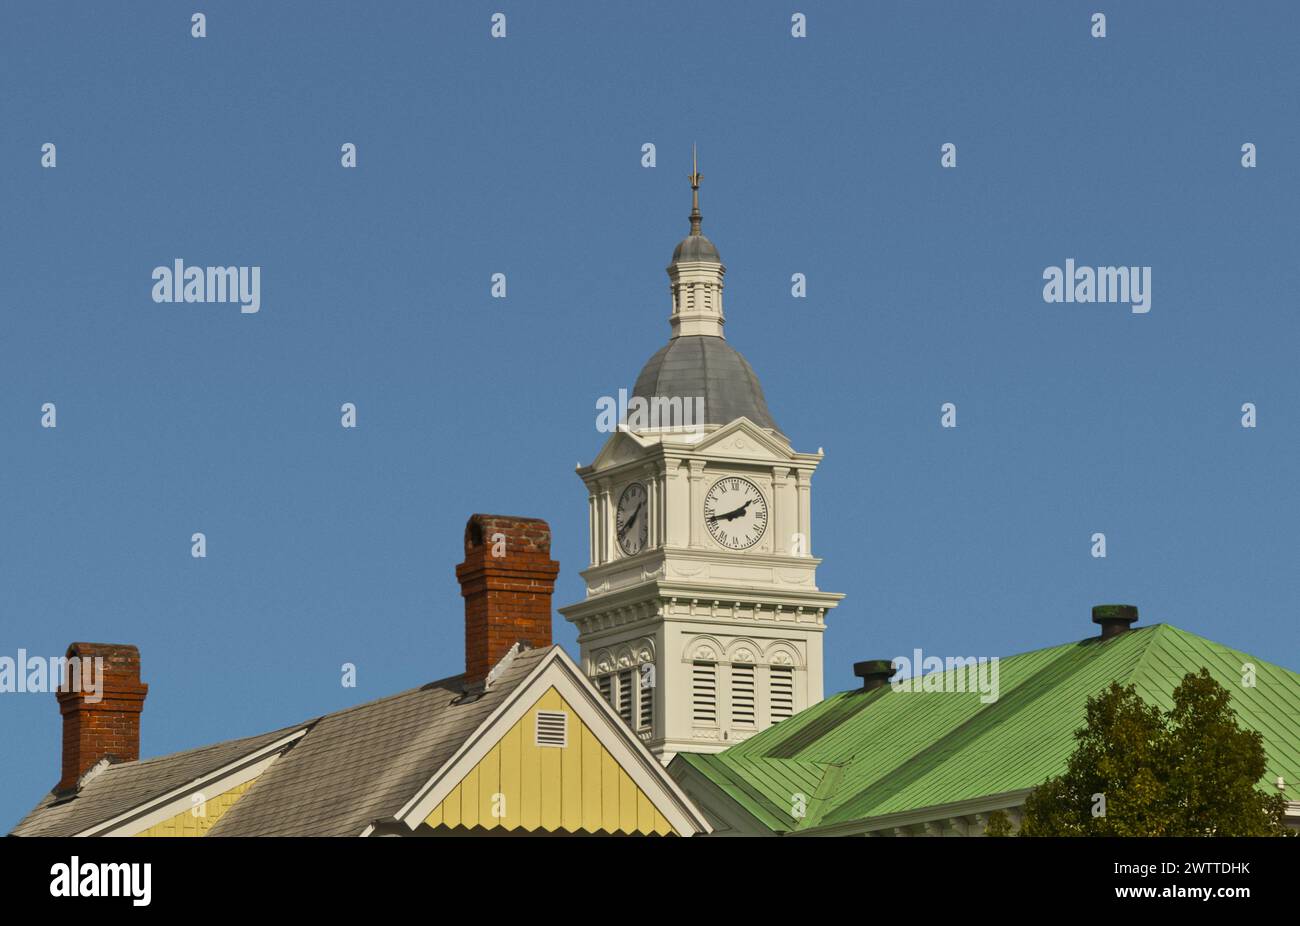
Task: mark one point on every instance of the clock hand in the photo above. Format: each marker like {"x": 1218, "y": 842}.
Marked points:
{"x": 732, "y": 515}
{"x": 632, "y": 520}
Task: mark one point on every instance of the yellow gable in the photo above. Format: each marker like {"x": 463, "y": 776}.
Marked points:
{"x": 197, "y": 820}
{"x": 577, "y": 787}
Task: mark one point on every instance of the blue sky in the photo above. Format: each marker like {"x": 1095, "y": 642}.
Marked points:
{"x": 522, "y": 156}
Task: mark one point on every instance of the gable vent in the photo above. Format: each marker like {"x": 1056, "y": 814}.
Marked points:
{"x": 552, "y": 728}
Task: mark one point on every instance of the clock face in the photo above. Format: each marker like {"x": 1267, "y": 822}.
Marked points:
{"x": 735, "y": 512}
{"x": 632, "y": 520}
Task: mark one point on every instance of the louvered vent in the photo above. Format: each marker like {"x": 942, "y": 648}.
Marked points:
{"x": 782, "y": 692}
{"x": 625, "y": 695}
{"x": 646, "y": 706}
{"x": 552, "y": 728}
{"x": 704, "y": 694}
{"x": 742, "y": 695}
{"x": 605, "y": 685}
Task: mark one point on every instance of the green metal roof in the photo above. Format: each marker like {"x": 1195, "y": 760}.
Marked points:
{"x": 859, "y": 755}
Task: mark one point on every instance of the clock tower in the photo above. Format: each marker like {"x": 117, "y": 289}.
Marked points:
{"x": 702, "y": 622}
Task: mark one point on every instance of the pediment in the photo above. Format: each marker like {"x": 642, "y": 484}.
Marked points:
{"x": 622, "y": 447}
{"x": 742, "y": 439}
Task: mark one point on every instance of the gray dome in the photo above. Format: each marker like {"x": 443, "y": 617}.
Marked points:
{"x": 706, "y": 365}
{"x": 696, "y": 247}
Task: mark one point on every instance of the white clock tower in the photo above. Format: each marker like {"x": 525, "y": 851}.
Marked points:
{"x": 703, "y": 622}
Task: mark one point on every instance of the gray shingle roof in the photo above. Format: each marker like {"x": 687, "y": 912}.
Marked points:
{"x": 706, "y": 365}
{"x": 352, "y": 767}
{"x": 119, "y": 788}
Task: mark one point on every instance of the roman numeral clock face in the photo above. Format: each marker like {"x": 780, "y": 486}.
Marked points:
{"x": 632, "y": 520}
{"x": 735, "y": 512}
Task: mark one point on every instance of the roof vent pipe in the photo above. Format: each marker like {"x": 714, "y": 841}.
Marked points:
{"x": 1114, "y": 618}
{"x": 874, "y": 673}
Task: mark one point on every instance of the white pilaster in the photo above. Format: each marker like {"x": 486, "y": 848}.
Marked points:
{"x": 805, "y": 510}
{"x": 697, "y": 503}
{"x": 780, "y": 510}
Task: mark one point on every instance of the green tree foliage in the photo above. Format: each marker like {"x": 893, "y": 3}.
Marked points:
{"x": 999, "y": 824}
{"x": 1138, "y": 771}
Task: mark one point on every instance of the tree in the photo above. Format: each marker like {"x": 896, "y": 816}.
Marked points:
{"x": 1138, "y": 771}
{"x": 999, "y": 824}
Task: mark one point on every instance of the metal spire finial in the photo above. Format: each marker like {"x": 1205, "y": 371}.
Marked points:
{"x": 695, "y": 179}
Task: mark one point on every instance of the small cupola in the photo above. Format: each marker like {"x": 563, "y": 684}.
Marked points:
{"x": 695, "y": 275}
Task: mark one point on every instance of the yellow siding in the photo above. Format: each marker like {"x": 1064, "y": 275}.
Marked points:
{"x": 627, "y": 793}
{"x": 530, "y": 771}
{"x": 661, "y": 824}
{"x": 469, "y": 803}
{"x": 645, "y": 814}
{"x": 609, "y": 791}
{"x": 186, "y": 823}
{"x": 580, "y": 788}
{"x": 592, "y": 759}
{"x": 489, "y": 783}
{"x": 511, "y": 771}
{"x": 451, "y": 816}
{"x": 570, "y": 786}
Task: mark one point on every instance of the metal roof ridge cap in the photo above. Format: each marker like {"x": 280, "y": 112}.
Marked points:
{"x": 822, "y": 798}
{"x": 1136, "y": 673}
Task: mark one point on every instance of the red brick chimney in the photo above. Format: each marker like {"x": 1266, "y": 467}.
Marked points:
{"x": 506, "y": 580}
{"x": 102, "y": 723}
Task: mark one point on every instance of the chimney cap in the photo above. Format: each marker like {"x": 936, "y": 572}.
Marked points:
{"x": 520, "y": 534}
{"x": 1114, "y": 618}
{"x": 125, "y": 650}
{"x": 875, "y": 673}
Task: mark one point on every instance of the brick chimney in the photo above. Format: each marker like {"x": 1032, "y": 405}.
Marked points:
{"x": 102, "y": 723}
{"x": 506, "y": 580}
